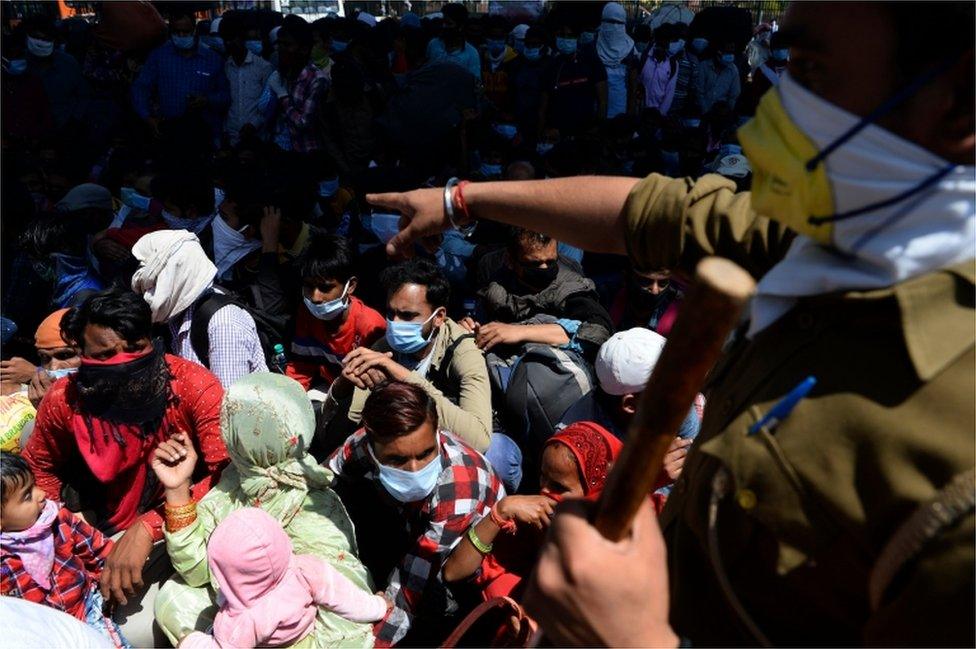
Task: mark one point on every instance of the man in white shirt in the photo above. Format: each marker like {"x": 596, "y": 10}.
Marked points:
{"x": 247, "y": 74}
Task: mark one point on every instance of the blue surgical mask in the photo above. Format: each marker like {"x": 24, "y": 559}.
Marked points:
{"x": 727, "y": 58}
{"x": 781, "y": 54}
{"x": 254, "y": 47}
{"x": 58, "y": 374}
{"x": 490, "y": 170}
{"x": 532, "y": 53}
{"x": 495, "y": 46}
{"x": 329, "y": 310}
{"x": 180, "y": 223}
{"x": 507, "y": 131}
{"x": 408, "y": 337}
{"x": 183, "y": 42}
{"x": 39, "y": 47}
{"x": 542, "y": 148}
{"x": 339, "y": 46}
{"x": 675, "y": 46}
{"x": 410, "y": 486}
{"x": 566, "y": 45}
{"x": 585, "y": 38}
{"x": 134, "y": 199}
{"x": 691, "y": 122}
{"x": 16, "y": 67}
{"x": 699, "y": 44}
{"x": 216, "y": 43}
{"x": 328, "y": 188}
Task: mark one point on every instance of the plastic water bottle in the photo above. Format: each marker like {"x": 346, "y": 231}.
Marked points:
{"x": 279, "y": 360}
{"x": 469, "y": 306}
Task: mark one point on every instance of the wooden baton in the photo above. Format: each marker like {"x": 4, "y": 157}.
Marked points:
{"x": 707, "y": 316}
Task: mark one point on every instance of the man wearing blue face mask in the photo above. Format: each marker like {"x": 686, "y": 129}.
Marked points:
{"x": 185, "y": 77}
{"x": 861, "y": 231}
{"x": 331, "y": 322}
{"x": 412, "y": 489}
{"x": 767, "y": 74}
{"x": 425, "y": 347}
{"x": 450, "y": 46}
{"x": 496, "y": 68}
{"x": 525, "y": 82}
{"x": 246, "y": 73}
{"x": 68, "y": 93}
{"x": 717, "y": 82}
{"x": 574, "y": 87}
{"x": 26, "y": 112}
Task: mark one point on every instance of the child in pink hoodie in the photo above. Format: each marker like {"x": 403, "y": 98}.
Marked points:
{"x": 268, "y": 595}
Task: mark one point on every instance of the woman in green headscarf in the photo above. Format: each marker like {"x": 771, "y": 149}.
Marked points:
{"x": 267, "y": 424}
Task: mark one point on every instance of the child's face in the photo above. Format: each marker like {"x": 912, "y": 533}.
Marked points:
{"x": 22, "y": 507}
{"x": 560, "y": 472}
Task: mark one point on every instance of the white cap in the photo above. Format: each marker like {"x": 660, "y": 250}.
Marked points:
{"x": 626, "y": 359}
{"x": 367, "y": 18}
{"x": 733, "y": 166}
{"x": 215, "y": 25}
{"x": 519, "y": 31}
{"x": 273, "y": 35}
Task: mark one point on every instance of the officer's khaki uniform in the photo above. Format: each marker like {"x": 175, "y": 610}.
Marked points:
{"x": 808, "y": 509}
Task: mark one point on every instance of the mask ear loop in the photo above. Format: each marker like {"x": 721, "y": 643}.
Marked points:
{"x": 925, "y": 184}
{"x": 882, "y": 110}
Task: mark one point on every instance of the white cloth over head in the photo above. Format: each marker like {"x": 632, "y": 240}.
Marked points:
{"x": 626, "y": 359}
{"x": 613, "y": 44}
{"x": 230, "y": 246}
{"x": 173, "y": 271}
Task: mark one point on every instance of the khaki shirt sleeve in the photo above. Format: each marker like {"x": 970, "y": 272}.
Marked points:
{"x": 470, "y": 419}
{"x": 674, "y": 222}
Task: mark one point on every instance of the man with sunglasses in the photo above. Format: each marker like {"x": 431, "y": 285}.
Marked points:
{"x": 851, "y": 521}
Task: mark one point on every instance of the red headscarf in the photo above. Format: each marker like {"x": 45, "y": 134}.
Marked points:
{"x": 595, "y": 449}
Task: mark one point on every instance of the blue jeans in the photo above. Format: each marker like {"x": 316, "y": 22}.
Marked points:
{"x": 505, "y": 457}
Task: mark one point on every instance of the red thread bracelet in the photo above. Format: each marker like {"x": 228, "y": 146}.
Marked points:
{"x": 509, "y": 527}
{"x": 459, "y": 202}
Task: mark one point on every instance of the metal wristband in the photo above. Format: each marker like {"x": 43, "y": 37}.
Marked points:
{"x": 448, "y": 201}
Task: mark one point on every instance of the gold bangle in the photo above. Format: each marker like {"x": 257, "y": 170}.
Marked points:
{"x": 178, "y": 524}
{"x": 178, "y": 510}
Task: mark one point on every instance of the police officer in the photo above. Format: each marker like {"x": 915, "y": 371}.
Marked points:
{"x": 852, "y": 520}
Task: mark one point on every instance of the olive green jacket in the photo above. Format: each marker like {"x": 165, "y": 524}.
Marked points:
{"x": 459, "y": 386}
{"x": 801, "y": 515}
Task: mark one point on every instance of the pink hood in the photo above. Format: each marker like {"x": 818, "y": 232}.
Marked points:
{"x": 265, "y": 598}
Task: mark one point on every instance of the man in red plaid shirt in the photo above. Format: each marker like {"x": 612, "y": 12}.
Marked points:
{"x": 433, "y": 486}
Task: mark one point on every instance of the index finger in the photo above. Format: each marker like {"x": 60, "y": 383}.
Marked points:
{"x": 389, "y": 200}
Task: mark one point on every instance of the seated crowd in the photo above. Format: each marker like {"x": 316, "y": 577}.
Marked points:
{"x": 216, "y": 382}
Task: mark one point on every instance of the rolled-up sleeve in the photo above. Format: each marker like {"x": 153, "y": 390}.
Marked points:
{"x": 674, "y": 222}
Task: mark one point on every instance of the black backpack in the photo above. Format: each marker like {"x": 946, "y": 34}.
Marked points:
{"x": 271, "y": 327}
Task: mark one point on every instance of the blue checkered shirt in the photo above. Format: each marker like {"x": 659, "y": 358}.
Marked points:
{"x": 169, "y": 78}
{"x": 235, "y": 349}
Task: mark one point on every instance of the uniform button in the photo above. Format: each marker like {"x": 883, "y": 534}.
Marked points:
{"x": 804, "y": 320}
{"x": 746, "y": 498}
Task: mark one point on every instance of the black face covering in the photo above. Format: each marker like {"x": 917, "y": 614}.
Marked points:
{"x": 128, "y": 394}
{"x": 540, "y": 278}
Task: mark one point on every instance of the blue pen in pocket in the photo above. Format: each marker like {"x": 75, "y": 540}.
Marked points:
{"x": 784, "y": 406}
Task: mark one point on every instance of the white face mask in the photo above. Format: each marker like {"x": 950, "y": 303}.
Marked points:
{"x": 39, "y": 47}
{"x": 230, "y": 246}
{"x": 410, "y": 486}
